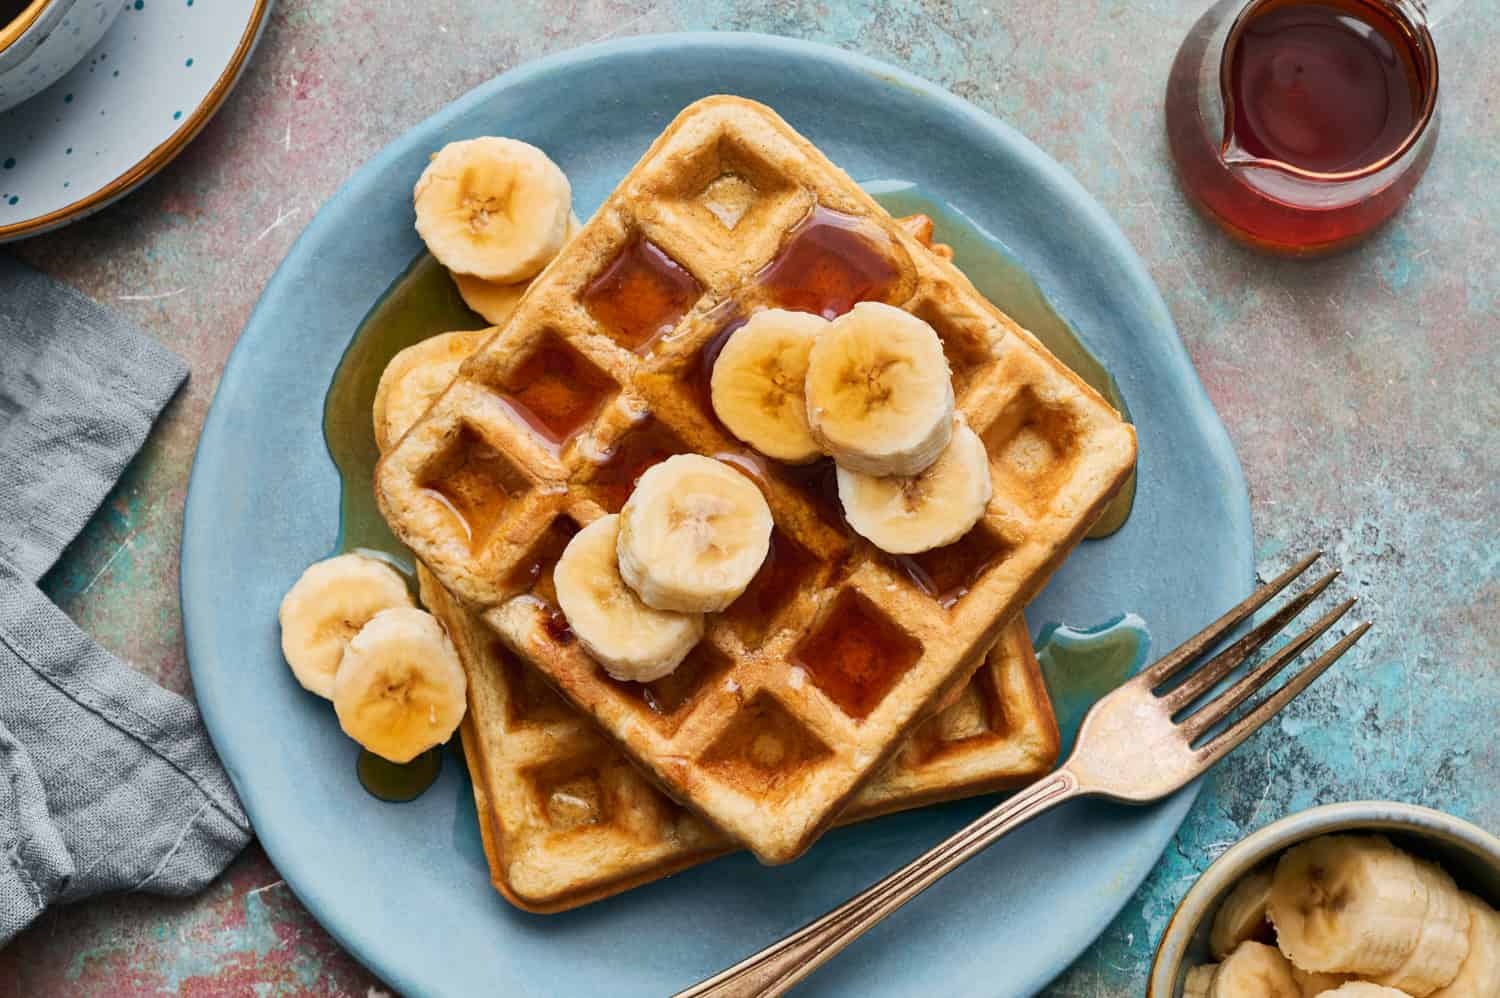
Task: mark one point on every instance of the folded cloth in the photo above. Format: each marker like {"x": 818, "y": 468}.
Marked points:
{"x": 107, "y": 781}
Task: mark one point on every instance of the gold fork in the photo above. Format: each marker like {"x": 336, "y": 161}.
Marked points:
{"x": 1136, "y": 745}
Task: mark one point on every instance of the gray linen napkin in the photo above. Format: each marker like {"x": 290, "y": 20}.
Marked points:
{"x": 107, "y": 781}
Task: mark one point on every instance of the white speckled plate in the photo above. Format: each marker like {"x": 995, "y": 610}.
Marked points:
{"x": 125, "y": 111}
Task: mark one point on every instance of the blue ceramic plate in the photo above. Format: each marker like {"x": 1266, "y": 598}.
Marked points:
{"x": 404, "y": 887}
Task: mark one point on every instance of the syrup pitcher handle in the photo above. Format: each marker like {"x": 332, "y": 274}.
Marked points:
{"x": 782, "y": 964}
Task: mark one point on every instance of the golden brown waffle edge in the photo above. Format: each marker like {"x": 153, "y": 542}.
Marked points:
{"x": 518, "y": 452}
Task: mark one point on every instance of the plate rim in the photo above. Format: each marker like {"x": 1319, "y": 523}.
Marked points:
{"x": 1219, "y": 448}
{"x": 163, "y": 152}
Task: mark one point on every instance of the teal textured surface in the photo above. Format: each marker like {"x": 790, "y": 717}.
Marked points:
{"x": 1358, "y": 392}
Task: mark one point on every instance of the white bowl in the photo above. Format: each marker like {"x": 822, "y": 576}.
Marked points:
{"x": 49, "y": 38}
{"x": 1466, "y": 851}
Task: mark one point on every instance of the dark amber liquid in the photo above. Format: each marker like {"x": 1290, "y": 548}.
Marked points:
{"x": 1316, "y": 86}
{"x": 1330, "y": 87}
{"x": 855, "y": 655}
{"x": 641, "y": 295}
{"x": 556, "y": 392}
{"x": 948, "y": 573}
{"x": 828, "y": 264}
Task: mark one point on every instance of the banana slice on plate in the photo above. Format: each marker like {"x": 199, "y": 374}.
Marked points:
{"x": 327, "y": 606}
{"x": 400, "y": 688}
{"x": 494, "y": 208}
{"x": 1242, "y": 915}
{"x": 496, "y": 301}
{"x": 1254, "y": 970}
{"x": 630, "y": 639}
{"x": 757, "y": 384}
{"x": 693, "y": 534}
{"x": 414, "y": 379}
{"x": 1442, "y": 944}
{"x": 879, "y": 393}
{"x": 1199, "y": 980}
{"x": 1363, "y": 989}
{"x": 934, "y": 507}
{"x": 1479, "y": 977}
{"x": 1314, "y": 983}
{"x": 1347, "y": 904}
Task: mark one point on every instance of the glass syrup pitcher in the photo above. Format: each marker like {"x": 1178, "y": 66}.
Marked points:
{"x": 1300, "y": 127}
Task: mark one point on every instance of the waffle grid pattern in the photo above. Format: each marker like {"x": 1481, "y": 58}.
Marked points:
{"x": 525, "y": 445}
{"x": 567, "y": 820}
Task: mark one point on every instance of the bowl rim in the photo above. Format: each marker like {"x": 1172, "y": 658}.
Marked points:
{"x": 12, "y": 31}
{"x": 1259, "y": 845}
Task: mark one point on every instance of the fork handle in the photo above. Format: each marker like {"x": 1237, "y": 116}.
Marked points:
{"x": 782, "y": 964}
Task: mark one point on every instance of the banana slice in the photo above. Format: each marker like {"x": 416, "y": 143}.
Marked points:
{"x": 1444, "y": 940}
{"x": 496, "y": 301}
{"x": 757, "y": 384}
{"x": 1242, "y": 915}
{"x": 1363, "y": 989}
{"x": 693, "y": 534}
{"x": 1347, "y": 904}
{"x": 1254, "y": 970}
{"x": 494, "y": 208}
{"x": 400, "y": 688}
{"x": 933, "y": 508}
{"x": 1314, "y": 983}
{"x": 414, "y": 379}
{"x": 879, "y": 394}
{"x": 630, "y": 639}
{"x": 1199, "y": 980}
{"x": 1479, "y": 977}
{"x": 326, "y": 607}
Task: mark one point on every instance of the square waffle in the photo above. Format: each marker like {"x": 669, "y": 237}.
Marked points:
{"x": 809, "y": 683}
{"x": 567, "y": 820}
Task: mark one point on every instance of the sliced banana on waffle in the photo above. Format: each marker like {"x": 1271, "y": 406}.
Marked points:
{"x": 400, "y": 688}
{"x": 1347, "y": 904}
{"x": 879, "y": 393}
{"x": 757, "y": 384}
{"x": 494, "y": 300}
{"x": 937, "y": 506}
{"x": 1254, "y": 970}
{"x": 414, "y": 379}
{"x": 1479, "y": 977}
{"x": 494, "y": 208}
{"x": 327, "y": 606}
{"x": 630, "y": 639}
{"x": 1198, "y": 981}
{"x": 693, "y": 534}
{"x": 1363, "y": 989}
{"x": 1242, "y": 915}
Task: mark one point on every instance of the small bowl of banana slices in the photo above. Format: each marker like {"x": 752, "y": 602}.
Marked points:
{"x": 1373, "y": 899}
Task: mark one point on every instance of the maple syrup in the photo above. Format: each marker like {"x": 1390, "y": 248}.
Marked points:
{"x": 420, "y": 303}
{"x": 1316, "y": 127}
{"x": 642, "y": 448}
{"x": 828, "y": 263}
{"x": 555, "y": 392}
{"x": 533, "y": 573}
{"x": 1081, "y": 665}
{"x": 947, "y": 573}
{"x": 641, "y": 295}
{"x": 856, "y": 655}
{"x": 474, "y": 484}
{"x": 786, "y": 565}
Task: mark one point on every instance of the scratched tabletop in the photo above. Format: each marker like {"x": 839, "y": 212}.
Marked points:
{"x": 1360, "y": 393}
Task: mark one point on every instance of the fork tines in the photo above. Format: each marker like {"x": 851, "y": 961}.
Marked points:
{"x": 1182, "y": 699}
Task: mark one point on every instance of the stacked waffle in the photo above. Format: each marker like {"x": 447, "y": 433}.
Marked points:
{"x": 843, "y": 682}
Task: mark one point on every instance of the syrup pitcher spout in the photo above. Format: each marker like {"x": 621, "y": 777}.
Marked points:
{"x": 1301, "y": 125}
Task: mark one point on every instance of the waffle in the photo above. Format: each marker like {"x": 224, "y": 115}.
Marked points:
{"x": 566, "y": 820}
{"x": 807, "y": 685}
